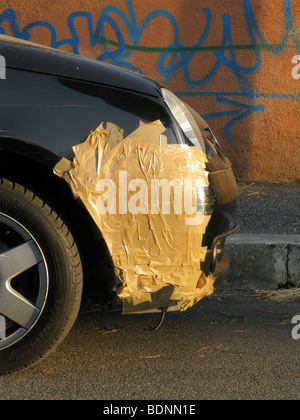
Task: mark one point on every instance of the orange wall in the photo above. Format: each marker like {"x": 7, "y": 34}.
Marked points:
{"x": 229, "y": 59}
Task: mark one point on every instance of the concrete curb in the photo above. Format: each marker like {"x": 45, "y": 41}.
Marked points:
{"x": 262, "y": 261}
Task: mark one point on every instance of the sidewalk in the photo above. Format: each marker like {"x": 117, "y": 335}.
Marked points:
{"x": 265, "y": 251}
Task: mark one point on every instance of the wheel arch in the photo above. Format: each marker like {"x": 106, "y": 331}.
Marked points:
{"x": 32, "y": 167}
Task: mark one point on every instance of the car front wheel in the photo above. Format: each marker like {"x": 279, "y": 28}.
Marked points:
{"x": 40, "y": 278}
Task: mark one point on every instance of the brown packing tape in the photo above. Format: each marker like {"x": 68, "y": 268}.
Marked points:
{"x": 151, "y": 239}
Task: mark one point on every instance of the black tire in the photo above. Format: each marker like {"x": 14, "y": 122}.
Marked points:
{"x": 40, "y": 278}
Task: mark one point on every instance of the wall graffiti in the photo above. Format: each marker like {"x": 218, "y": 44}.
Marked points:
{"x": 125, "y": 41}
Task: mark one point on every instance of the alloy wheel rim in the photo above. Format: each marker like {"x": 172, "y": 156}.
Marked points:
{"x": 24, "y": 281}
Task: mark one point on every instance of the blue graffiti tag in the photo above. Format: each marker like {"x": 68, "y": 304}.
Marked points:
{"x": 177, "y": 57}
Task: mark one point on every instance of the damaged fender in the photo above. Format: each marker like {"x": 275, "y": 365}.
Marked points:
{"x": 147, "y": 198}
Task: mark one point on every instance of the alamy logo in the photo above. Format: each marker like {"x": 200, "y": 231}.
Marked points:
{"x": 2, "y": 328}
{"x": 296, "y": 329}
{"x": 188, "y": 197}
{"x": 2, "y": 67}
{"x": 296, "y": 69}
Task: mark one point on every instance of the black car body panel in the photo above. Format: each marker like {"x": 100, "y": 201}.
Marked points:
{"x": 51, "y": 101}
{"x": 55, "y": 113}
{"x": 24, "y": 55}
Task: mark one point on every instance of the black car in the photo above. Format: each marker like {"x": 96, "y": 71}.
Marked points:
{"x": 55, "y": 253}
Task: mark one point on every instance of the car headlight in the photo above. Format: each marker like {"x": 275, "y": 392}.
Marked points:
{"x": 184, "y": 118}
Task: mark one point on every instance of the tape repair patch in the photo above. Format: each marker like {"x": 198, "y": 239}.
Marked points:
{"x": 147, "y": 197}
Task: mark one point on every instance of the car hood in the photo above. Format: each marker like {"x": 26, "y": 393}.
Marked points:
{"x": 29, "y": 56}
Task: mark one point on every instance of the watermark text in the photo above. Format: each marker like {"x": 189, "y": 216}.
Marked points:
{"x": 296, "y": 329}
{"x": 160, "y": 196}
{"x": 296, "y": 68}
{"x": 2, "y": 328}
{"x": 2, "y": 67}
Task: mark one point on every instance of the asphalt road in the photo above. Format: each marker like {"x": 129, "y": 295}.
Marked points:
{"x": 269, "y": 208}
{"x": 229, "y": 346}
